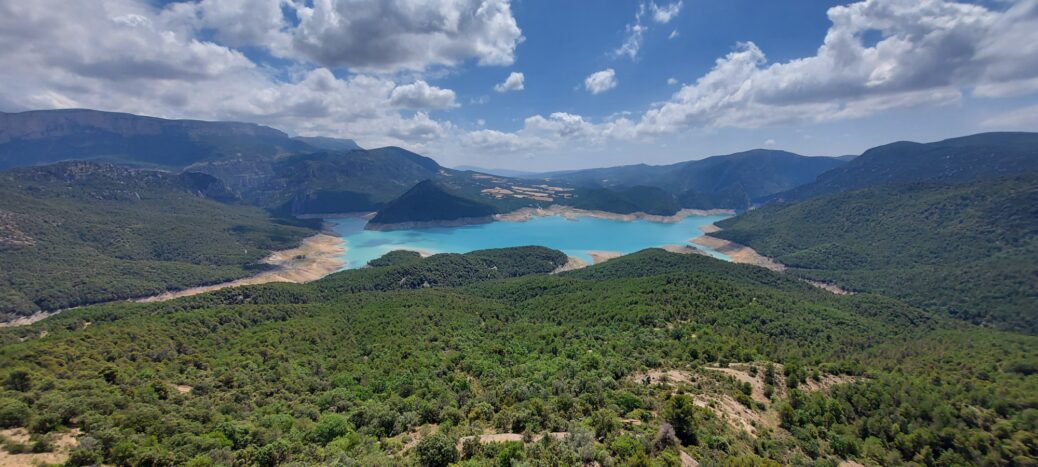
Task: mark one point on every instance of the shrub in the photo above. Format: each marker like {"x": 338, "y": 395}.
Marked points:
{"x": 436, "y": 451}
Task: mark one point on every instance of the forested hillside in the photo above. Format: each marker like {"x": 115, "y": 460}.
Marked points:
{"x": 963, "y": 159}
{"x": 731, "y": 181}
{"x": 970, "y": 250}
{"x": 47, "y": 136}
{"x": 77, "y": 233}
{"x": 644, "y": 360}
{"x": 429, "y": 202}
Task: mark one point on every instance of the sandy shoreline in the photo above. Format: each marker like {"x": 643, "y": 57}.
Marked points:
{"x": 736, "y": 252}
{"x": 571, "y": 213}
{"x": 743, "y": 254}
{"x": 315, "y": 258}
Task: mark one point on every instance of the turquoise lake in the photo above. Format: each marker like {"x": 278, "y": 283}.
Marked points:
{"x": 573, "y": 237}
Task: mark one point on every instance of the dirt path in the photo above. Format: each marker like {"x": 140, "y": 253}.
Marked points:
{"x": 315, "y": 258}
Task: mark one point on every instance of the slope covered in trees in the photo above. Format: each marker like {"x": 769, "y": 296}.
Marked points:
{"x": 77, "y": 233}
{"x": 429, "y": 202}
{"x": 48, "y": 136}
{"x": 362, "y": 368}
{"x": 729, "y": 181}
{"x": 970, "y": 250}
{"x": 963, "y": 159}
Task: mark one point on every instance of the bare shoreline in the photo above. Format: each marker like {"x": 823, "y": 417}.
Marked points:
{"x": 739, "y": 253}
{"x": 571, "y": 213}
{"x": 314, "y": 258}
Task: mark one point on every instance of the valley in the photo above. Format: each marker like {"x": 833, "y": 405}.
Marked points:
{"x": 319, "y": 303}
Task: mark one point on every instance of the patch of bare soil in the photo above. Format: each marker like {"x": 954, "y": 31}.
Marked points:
{"x": 738, "y": 253}
{"x": 62, "y": 442}
{"x": 827, "y": 381}
{"x": 603, "y": 256}
{"x": 741, "y": 373}
{"x": 567, "y": 212}
{"x": 411, "y": 439}
{"x": 571, "y": 264}
{"x": 683, "y": 249}
{"x": 510, "y": 437}
{"x": 687, "y": 460}
{"x": 315, "y": 258}
{"x": 10, "y": 233}
{"x": 737, "y": 416}
{"x": 657, "y": 376}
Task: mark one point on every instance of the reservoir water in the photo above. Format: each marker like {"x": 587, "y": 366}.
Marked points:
{"x": 577, "y": 237}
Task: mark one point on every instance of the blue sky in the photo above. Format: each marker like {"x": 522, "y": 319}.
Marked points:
{"x": 706, "y": 77}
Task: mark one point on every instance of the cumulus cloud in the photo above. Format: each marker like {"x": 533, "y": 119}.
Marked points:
{"x": 125, "y": 55}
{"x": 514, "y": 82}
{"x": 673, "y": 35}
{"x": 600, "y": 81}
{"x": 928, "y": 52}
{"x": 663, "y": 14}
{"x": 672, "y": 81}
{"x": 419, "y": 95}
{"x": 406, "y": 34}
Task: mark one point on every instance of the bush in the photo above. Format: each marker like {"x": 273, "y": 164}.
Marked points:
{"x": 436, "y": 451}
{"x": 329, "y": 427}
{"x": 13, "y": 413}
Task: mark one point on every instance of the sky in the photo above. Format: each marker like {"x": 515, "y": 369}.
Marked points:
{"x": 541, "y": 84}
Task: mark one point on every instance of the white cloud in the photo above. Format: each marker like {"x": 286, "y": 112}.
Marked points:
{"x": 673, "y": 35}
{"x": 124, "y": 55}
{"x": 769, "y": 143}
{"x": 672, "y": 81}
{"x": 664, "y": 14}
{"x": 419, "y": 95}
{"x": 633, "y": 40}
{"x": 600, "y": 81}
{"x": 406, "y": 34}
{"x": 514, "y": 82}
{"x": 1025, "y": 118}
{"x": 930, "y": 52}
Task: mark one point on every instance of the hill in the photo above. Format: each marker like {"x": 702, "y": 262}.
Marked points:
{"x": 969, "y": 250}
{"x": 46, "y": 136}
{"x": 81, "y": 232}
{"x": 955, "y": 160}
{"x": 341, "y": 181}
{"x": 730, "y": 181}
{"x": 329, "y": 144}
{"x": 649, "y": 358}
{"x": 428, "y": 202}
{"x": 627, "y": 200}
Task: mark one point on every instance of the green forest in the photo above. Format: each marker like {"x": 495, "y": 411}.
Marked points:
{"x": 486, "y": 359}
{"x": 970, "y": 250}
{"x": 79, "y": 233}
